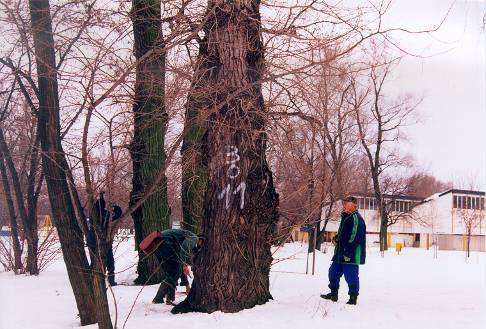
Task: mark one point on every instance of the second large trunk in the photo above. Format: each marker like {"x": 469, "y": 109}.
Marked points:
{"x": 240, "y": 203}
{"x": 150, "y": 121}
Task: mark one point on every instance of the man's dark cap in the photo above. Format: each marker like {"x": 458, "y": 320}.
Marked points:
{"x": 351, "y": 198}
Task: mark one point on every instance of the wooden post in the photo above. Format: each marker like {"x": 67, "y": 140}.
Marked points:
{"x": 314, "y": 249}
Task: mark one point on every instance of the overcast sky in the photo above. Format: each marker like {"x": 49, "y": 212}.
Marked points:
{"x": 451, "y": 140}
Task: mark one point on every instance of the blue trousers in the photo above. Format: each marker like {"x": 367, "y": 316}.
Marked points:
{"x": 351, "y": 275}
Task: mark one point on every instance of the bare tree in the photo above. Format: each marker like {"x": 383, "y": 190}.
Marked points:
{"x": 380, "y": 122}
{"x": 14, "y": 232}
{"x": 55, "y": 165}
{"x": 233, "y": 201}
{"x": 26, "y": 175}
{"x": 423, "y": 184}
{"x": 471, "y": 219}
{"x": 470, "y": 211}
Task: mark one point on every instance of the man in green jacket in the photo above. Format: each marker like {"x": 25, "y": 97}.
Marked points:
{"x": 174, "y": 253}
{"x": 349, "y": 252}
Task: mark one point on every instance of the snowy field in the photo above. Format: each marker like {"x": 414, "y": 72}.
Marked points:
{"x": 410, "y": 290}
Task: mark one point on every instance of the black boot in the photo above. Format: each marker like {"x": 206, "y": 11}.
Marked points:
{"x": 333, "y": 295}
{"x": 352, "y": 299}
{"x": 170, "y": 297}
{"x": 161, "y": 293}
{"x": 183, "y": 307}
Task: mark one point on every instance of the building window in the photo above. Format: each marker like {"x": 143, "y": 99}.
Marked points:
{"x": 468, "y": 202}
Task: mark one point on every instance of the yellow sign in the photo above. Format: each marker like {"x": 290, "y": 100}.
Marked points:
{"x": 47, "y": 222}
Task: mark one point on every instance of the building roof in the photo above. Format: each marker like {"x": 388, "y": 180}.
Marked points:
{"x": 458, "y": 191}
{"x": 420, "y": 200}
{"x": 391, "y": 196}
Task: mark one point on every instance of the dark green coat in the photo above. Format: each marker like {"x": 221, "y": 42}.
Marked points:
{"x": 351, "y": 239}
{"x": 178, "y": 245}
{"x": 176, "y": 250}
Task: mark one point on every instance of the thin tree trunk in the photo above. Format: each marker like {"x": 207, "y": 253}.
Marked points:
{"x": 78, "y": 208}
{"x": 311, "y": 187}
{"x": 150, "y": 122}
{"x": 99, "y": 291}
{"x": 383, "y": 236}
{"x": 32, "y": 253}
{"x": 13, "y": 221}
{"x": 29, "y": 223}
{"x": 32, "y": 197}
{"x": 240, "y": 208}
{"x": 55, "y": 165}
{"x": 98, "y": 266}
{"x": 381, "y": 211}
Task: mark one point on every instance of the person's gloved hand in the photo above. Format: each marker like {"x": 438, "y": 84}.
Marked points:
{"x": 334, "y": 240}
{"x": 186, "y": 271}
{"x": 347, "y": 255}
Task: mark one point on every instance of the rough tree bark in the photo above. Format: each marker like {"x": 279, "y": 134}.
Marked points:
{"x": 150, "y": 122}
{"x": 240, "y": 205}
{"x": 55, "y": 165}
{"x": 14, "y": 231}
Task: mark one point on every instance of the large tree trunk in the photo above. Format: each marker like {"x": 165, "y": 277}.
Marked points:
{"x": 194, "y": 170}
{"x": 55, "y": 165}
{"x": 150, "y": 122}
{"x": 13, "y": 221}
{"x": 240, "y": 208}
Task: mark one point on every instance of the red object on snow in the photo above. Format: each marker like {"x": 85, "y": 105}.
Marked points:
{"x": 151, "y": 242}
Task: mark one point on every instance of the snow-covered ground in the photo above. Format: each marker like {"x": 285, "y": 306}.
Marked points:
{"x": 410, "y": 290}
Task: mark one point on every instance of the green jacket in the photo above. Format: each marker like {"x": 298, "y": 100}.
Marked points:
{"x": 351, "y": 240}
{"x": 178, "y": 244}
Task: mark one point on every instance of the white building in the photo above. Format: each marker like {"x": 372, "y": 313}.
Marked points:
{"x": 445, "y": 218}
